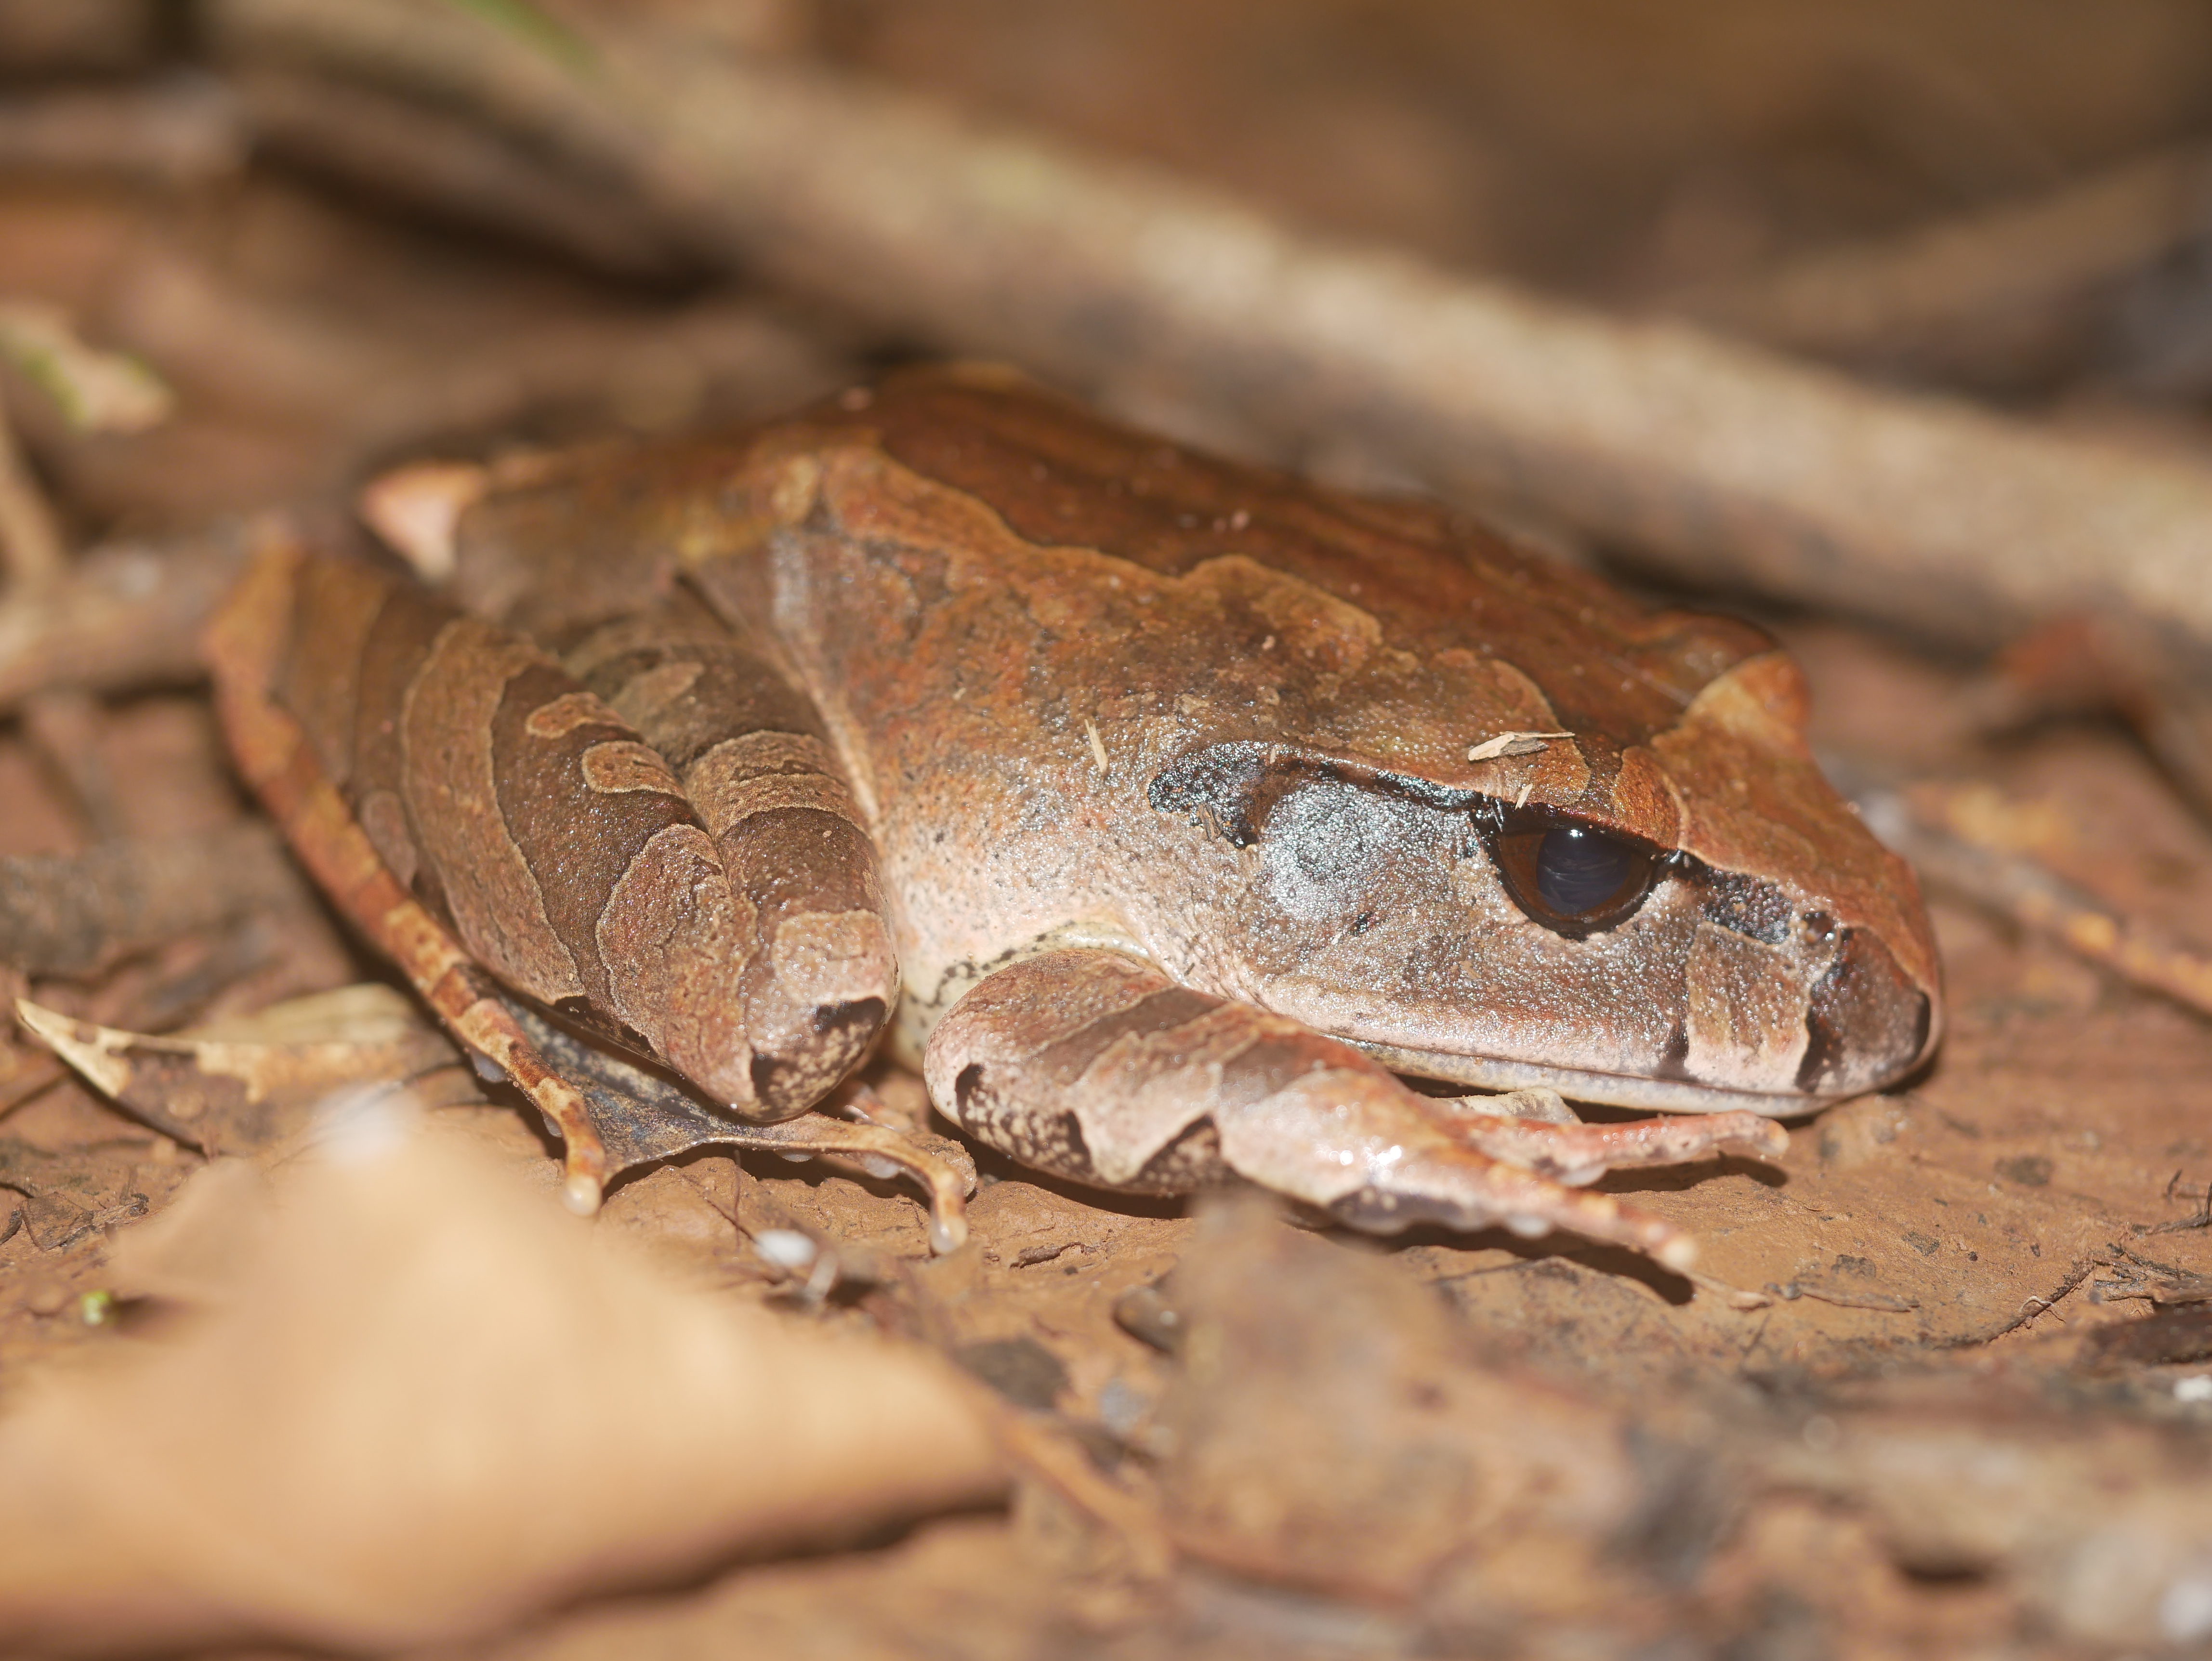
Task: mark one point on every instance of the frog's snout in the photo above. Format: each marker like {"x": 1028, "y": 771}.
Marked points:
{"x": 1867, "y": 1024}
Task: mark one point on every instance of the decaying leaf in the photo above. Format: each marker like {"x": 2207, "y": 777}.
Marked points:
{"x": 1331, "y": 1429}
{"x": 77, "y": 913}
{"x": 2171, "y": 1335}
{"x": 1329, "y": 1432}
{"x": 244, "y": 1086}
{"x": 238, "y": 1087}
{"x": 418, "y": 1401}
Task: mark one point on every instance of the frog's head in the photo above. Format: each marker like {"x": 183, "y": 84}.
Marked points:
{"x": 1688, "y": 923}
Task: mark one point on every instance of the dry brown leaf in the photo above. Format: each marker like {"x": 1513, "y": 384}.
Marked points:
{"x": 245, "y": 1085}
{"x": 428, "y": 1401}
{"x": 1329, "y": 1431}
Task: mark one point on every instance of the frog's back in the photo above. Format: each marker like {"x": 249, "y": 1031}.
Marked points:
{"x": 579, "y": 536}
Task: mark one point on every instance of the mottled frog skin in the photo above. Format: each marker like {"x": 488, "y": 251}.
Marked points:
{"x": 1161, "y": 806}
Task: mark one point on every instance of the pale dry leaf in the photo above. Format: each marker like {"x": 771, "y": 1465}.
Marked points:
{"x": 416, "y": 511}
{"x": 245, "y": 1085}
{"x": 97, "y": 391}
{"x": 428, "y": 1403}
{"x": 198, "y": 1248}
{"x": 367, "y": 1013}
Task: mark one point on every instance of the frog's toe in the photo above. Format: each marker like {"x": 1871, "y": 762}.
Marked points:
{"x": 1576, "y": 1153}
{"x": 1463, "y": 1188}
{"x": 944, "y": 1169}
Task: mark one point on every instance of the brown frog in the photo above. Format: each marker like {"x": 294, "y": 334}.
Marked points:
{"x": 1164, "y": 809}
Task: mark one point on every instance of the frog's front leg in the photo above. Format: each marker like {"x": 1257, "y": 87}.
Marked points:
{"x": 1095, "y": 1065}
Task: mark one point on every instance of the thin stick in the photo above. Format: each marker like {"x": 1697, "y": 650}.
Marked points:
{"x": 181, "y": 131}
{"x": 454, "y": 168}
{"x": 66, "y": 727}
{"x": 1976, "y": 294}
{"x": 1951, "y": 848}
{"x": 126, "y": 615}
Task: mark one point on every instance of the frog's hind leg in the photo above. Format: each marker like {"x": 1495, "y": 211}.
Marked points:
{"x": 753, "y": 755}
{"x": 280, "y": 761}
{"x": 1096, "y": 1066}
{"x": 1562, "y": 1148}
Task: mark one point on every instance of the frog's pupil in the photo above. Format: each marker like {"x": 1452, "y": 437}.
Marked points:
{"x": 1579, "y": 870}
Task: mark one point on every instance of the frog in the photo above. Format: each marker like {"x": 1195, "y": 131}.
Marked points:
{"x": 1181, "y": 821}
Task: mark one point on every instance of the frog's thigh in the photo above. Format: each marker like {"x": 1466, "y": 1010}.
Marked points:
{"x": 517, "y": 809}
{"x": 1096, "y": 1066}
{"x": 820, "y": 975}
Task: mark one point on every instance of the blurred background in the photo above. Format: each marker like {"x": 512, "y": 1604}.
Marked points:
{"x": 330, "y": 266}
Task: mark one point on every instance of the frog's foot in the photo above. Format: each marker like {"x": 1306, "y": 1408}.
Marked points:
{"x": 944, "y": 1168}
{"x": 1576, "y": 1153}
{"x": 1363, "y": 1149}
{"x": 1096, "y": 1066}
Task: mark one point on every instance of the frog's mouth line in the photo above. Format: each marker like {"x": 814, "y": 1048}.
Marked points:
{"x": 1605, "y": 1089}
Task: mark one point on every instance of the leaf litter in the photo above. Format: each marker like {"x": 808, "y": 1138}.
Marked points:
{"x": 282, "y": 1369}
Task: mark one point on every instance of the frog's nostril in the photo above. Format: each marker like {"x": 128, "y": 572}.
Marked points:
{"x": 1867, "y": 1023}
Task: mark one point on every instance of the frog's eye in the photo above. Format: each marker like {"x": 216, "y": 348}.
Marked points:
{"x": 1574, "y": 879}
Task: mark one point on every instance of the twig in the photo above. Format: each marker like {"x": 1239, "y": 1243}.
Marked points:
{"x": 126, "y": 615}
{"x": 454, "y": 168}
{"x": 373, "y": 398}
{"x": 1980, "y": 295}
{"x": 2201, "y": 1218}
{"x": 1954, "y": 850}
{"x": 2079, "y": 1272}
{"x": 2152, "y": 675}
{"x": 1736, "y": 467}
{"x": 80, "y": 38}
{"x": 1845, "y": 1297}
{"x": 1035, "y": 1449}
{"x": 30, "y": 1081}
{"x": 65, "y": 725}
{"x": 2178, "y": 1285}
{"x": 182, "y": 130}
